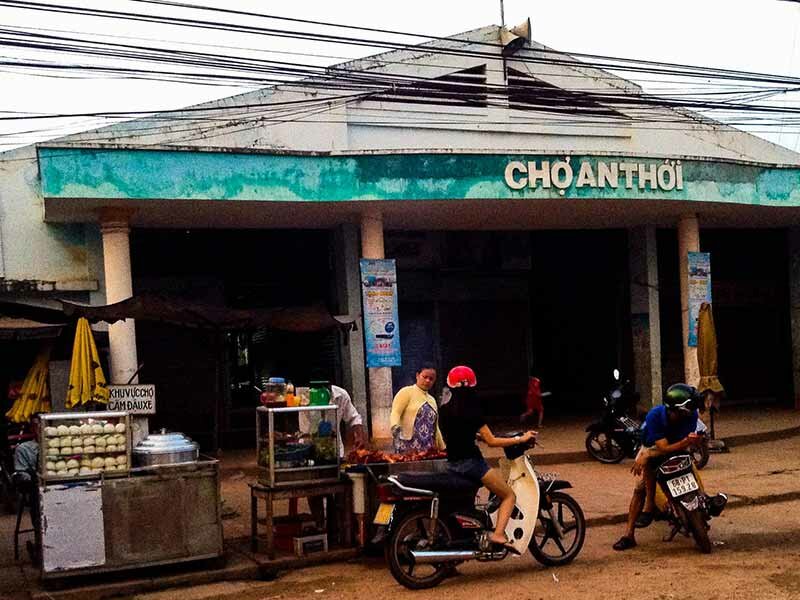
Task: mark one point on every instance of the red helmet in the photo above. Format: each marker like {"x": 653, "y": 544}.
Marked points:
{"x": 461, "y": 376}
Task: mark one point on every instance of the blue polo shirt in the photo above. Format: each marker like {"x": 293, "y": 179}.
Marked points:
{"x": 657, "y": 426}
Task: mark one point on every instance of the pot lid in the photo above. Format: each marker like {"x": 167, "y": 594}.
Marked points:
{"x": 165, "y": 442}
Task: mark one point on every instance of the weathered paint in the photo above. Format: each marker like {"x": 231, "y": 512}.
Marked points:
{"x": 162, "y": 174}
{"x": 51, "y": 255}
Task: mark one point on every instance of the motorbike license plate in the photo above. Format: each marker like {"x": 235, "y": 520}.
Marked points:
{"x": 684, "y": 484}
{"x": 384, "y": 514}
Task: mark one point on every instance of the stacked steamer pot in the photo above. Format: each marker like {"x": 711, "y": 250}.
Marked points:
{"x": 165, "y": 448}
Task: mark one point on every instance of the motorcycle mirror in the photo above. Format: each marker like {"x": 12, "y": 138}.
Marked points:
{"x": 616, "y": 374}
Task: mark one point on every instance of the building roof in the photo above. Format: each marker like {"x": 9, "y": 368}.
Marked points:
{"x": 314, "y": 115}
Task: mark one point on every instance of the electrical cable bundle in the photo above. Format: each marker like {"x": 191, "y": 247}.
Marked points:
{"x": 729, "y": 97}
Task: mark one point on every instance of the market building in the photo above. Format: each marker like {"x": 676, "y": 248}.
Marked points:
{"x": 529, "y": 236}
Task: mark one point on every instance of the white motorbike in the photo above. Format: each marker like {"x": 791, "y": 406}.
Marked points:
{"x": 434, "y": 523}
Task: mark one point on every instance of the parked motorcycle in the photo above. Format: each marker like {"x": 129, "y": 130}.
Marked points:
{"x": 618, "y": 435}
{"x": 434, "y": 524}
{"x": 688, "y": 510}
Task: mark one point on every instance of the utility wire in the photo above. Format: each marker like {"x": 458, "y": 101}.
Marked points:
{"x": 633, "y": 65}
{"x": 370, "y": 82}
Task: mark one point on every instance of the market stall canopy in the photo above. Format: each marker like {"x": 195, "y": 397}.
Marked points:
{"x": 19, "y": 329}
{"x": 177, "y": 311}
{"x": 28, "y": 322}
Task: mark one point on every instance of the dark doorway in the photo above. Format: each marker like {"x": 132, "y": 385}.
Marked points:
{"x": 750, "y": 296}
{"x": 205, "y": 380}
{"x": 417, "y": 341}
{"x": 491, "y": 337}
{"x": 580, "y": 309}
{"x": 505, "y": 301}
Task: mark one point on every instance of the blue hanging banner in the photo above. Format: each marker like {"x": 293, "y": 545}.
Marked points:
{"x": 381, "y": 326}
{"x": 699, "y": 289}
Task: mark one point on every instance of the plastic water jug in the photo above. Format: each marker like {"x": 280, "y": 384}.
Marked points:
{"x": 320, "y": 393}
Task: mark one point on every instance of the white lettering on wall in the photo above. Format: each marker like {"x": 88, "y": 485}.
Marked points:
{"x": 562, "y": 174}
{"x": 512, "y": 168}
{"x": 542, "y": 173}
{"x": 586, "y": 176}
{"x": 607, "y": 174}
{"x": 666, "y": 176}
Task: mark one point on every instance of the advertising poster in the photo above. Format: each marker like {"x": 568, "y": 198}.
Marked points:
{"x": 699, "y": 289}
{"x": 381, "y": 328}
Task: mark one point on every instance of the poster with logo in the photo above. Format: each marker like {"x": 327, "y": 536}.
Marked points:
{"x": 699, "y": 289}
{"x": 381, "y": 327}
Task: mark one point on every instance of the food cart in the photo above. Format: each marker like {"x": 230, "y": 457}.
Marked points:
{"x": 366, "y": 468}
{"x": 99, "y": 513}
{"x": 298, "y": 457}
{"x": 297, "y": 445}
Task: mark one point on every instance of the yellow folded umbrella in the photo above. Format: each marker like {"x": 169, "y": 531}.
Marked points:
{"x": 707, "y": 351}
{"x": 87, "y": 383}
{"x": 34, "y": 396}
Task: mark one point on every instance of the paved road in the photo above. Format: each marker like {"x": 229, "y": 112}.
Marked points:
{"x": 756, "y": 553}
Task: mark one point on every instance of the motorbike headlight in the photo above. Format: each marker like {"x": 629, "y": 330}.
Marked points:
{"x": 675, "y": 464}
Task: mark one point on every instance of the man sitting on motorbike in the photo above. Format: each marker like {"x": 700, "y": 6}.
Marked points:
{"x": 667, "y": 429}
{"x": 461, "y": 422}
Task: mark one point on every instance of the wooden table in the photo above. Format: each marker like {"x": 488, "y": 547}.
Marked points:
{"x": 341, "y": 490}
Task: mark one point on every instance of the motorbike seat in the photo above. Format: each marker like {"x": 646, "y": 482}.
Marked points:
{"x": 442, "y": 483}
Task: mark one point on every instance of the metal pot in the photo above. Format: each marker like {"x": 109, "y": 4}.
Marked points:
{"x": 165, "y": 448}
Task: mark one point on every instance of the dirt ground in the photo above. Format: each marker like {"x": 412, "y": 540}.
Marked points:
{"x": 755, "y": 557}
{"x": 604, "y": 490}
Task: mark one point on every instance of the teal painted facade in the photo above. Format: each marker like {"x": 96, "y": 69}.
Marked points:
{"x": 74, "y": 173}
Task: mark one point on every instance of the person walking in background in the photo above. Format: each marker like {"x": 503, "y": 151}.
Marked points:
{"x": 533, "y": 401}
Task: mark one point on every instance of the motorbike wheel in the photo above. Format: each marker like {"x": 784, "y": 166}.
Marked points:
{"x": 412, "y": 534}
{"x": 697, "y": 527}
{"x": 604, "y": 448}
{"x": 700, "y": 454}
{"x": 545, "y": 545}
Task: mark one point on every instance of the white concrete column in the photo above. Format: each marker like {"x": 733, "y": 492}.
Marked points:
{"x": 380, "y": 379}
{"x": 114, "y": 226}
{"x": 119, "y": 286}
{"x": 688, "y": 241}
{"x": 645, "y": 321}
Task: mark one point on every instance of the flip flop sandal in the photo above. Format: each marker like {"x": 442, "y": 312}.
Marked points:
{"x": 624, "y": 543}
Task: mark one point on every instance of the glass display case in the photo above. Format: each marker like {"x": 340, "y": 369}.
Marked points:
{"x": 297, "y": 445}
{"x": 84, "y": 445}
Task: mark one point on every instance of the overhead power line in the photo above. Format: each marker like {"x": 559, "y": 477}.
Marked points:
{"x": 557, "y": 57}
{"x": 734, "y": 105}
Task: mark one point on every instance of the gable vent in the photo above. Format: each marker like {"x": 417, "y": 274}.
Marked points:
{"x": 462, "y": 88}
{"x": 528, "y": 93}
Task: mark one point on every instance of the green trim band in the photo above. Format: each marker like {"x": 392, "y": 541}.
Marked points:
{"x": 191, "y": 175}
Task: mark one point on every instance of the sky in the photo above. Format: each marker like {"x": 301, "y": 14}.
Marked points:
{"x": 750, "y": 35}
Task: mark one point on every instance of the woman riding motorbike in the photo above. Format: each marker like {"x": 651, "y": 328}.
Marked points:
{"x": 461, "y": 422}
